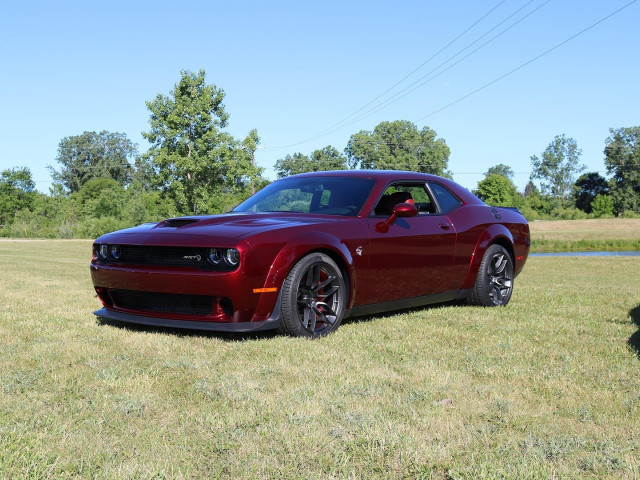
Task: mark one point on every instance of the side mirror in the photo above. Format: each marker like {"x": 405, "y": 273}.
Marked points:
{"x": 405, "y": 210}
{"x": 400, "y": 210}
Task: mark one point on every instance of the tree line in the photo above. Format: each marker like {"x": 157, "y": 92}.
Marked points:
{"x": 194, "y": 166}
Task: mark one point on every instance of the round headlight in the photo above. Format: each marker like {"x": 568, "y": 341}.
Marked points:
{"x": 116, "y": 251}
{"x": 104, "y": 251}
{"x": 232, "y": 257}
{"x": 215, "y": 256}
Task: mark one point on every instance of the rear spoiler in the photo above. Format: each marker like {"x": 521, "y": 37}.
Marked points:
{"x": 514, "y": 209}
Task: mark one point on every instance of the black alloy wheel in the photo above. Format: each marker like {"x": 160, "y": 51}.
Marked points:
{"x": 494, "y": 284}
{"x": 313, "y": 297}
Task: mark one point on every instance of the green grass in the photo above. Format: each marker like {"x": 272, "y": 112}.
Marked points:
{"x": 547, "y": 387}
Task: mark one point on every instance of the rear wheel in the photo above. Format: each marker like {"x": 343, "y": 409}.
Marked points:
{"x": 494, "y": 283}
{"x": 313, "y": 297}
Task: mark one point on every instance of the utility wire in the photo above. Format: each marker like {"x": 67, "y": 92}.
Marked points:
{"x": 399, "y": 81}
{"x": 420, "y": 83}
{"x": 528, "y": 62}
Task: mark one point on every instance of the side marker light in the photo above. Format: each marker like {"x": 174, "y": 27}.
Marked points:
{"x": 265, "y": 290}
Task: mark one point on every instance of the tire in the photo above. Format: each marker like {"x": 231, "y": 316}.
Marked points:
{"x": 313, "y": 298}
{"x": 494, "y": 283}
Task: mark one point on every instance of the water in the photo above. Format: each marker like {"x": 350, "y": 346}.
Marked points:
{"x": 586, "y": 254}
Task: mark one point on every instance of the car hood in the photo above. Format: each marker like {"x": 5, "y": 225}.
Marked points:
{"x": 229, "y": 225}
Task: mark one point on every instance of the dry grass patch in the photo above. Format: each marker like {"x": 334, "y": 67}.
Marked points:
{"x": 593, "y": 229}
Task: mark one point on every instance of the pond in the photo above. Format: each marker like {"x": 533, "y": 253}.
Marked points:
{"x": 587, "y": 254}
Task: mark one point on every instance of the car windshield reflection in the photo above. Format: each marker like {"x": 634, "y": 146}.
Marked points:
{"x": 314, "y": 195}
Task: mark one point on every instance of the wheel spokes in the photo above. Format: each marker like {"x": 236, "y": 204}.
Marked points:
{"x": 320, "y": 286}
{"x": 318, "y": 298}
{"x": 499, "y": 276}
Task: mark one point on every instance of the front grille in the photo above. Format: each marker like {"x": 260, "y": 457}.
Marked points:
{"x": 163, "y": 302}
{"x": 140, "y": 255}
{"x": 164, "y": 256}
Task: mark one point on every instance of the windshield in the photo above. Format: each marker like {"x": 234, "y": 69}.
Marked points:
{"x": 321, "y": 195}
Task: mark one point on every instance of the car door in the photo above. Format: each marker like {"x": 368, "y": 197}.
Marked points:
{"x": 414, "y": 257}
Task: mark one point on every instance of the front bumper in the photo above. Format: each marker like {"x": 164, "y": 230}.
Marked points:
{"x": 238, "y": 327}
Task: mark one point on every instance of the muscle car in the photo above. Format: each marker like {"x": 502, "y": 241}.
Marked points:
{"x": 310, "y": 250}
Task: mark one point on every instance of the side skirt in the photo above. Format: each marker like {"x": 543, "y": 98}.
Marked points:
{"x": 407, "y": 303}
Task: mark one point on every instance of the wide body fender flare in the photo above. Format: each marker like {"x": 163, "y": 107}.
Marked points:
{"x": 296, "y": 248}
{"x": 495, "y": 233}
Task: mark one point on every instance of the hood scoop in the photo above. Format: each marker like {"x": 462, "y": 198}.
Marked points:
{"x": 178, "y": 222}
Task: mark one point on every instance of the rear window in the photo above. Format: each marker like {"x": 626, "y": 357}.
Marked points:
{"x": 447, "y": 201}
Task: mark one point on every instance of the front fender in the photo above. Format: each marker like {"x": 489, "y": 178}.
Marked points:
{"x": 495, "y": 233}
{"x": 296, "y": 248}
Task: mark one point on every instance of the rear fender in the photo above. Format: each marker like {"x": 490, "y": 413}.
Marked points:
{"x": 296, "y": 248}
{"x": 494, "y": 233}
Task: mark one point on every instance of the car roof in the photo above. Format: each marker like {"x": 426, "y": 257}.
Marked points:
{"x": 388, "y": 176}
{"x": 377, "y": 174}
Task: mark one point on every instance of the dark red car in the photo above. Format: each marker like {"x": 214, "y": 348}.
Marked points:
{"x": 309, "y": 250}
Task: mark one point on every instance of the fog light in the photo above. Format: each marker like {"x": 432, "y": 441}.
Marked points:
{"x": 104, "y": 251}
{"x": 232, "y": 257}
{"x": 215, "y": 256}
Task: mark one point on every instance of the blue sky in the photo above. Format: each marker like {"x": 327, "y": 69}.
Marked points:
{"x": 293, "y": 69}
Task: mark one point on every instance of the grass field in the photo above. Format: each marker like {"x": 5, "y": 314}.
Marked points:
{"x": 615, "y": 234}
{"x": 547, "y": 387}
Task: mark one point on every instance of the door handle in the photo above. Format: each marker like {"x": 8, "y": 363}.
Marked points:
{"x": 444, "y": 226}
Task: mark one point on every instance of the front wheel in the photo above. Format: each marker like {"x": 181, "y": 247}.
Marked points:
{"x": 313, "y": 297}
{"x": 494, "y": 283}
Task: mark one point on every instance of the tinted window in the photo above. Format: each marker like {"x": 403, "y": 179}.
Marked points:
{"x": 405, "y": 192}
{"x": 446, "y": 200}
{"x": 322, "y": 195}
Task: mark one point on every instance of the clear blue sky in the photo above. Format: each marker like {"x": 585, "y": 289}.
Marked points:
{"x": 293, "y": 69}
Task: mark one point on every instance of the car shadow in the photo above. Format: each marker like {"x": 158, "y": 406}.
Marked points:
{"x": 634, "y": 339}
{"x": 185, "y": 332}
{"x": 261, "y": 335}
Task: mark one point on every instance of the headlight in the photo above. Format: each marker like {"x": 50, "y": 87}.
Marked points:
{"x": 116, "y": 251}
{"x": 232, "y": 257}
{"x": 215, "y": 256}
{"x": 104, "y": 251}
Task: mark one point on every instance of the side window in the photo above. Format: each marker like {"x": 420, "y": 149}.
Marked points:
{"x": 405, "y": 193}
{"x": 446, "y": 200}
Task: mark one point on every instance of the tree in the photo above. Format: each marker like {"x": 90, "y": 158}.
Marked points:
{"x": 194, "y": 158}
{"x": 292, "y": 164}
{"x": 500, "y": 169}
{"x": 320, "y": 161}
{"x": 93, "y": 155}
{"x": 558, "y": 167}
{"x": 399, "y": 145}
{"x": 17, "y": 191}
{"x": 622, "y": 159}
{"x": 587, "y": 187}
{"x": 602, "y": 206}
{"x": 498, "y": 190}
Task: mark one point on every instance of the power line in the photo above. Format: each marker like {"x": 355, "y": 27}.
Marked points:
{"x": 401, "y": 80}
{"x": 401, "y": 94}
{"x": 528, "y": 62}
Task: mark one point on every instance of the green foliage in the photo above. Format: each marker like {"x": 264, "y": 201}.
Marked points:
{"x": 499, "y": 191}
{"x": 193, "y": 157}
{"x": 321, "y": 160}
{"x": 587, "y": 187}
{"x": 17, "y": 192}
{"x": 93, "y": 155}
{"x": 557, "y": 168}
{"x": 602, "y": 206}
{"x": 500, "y": 169}
{"x": 399, "y": 145}
{"x": 622, "y": 159}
